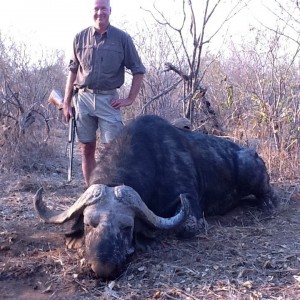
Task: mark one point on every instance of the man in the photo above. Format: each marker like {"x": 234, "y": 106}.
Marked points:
{"x": 100, "y": 55}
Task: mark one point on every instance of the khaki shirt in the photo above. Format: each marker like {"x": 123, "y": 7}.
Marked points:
{"x": 100, "y": 60}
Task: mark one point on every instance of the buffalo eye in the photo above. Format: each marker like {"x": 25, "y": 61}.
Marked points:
{"x": 91, "y": 224}
{"x": 126, "y": 229}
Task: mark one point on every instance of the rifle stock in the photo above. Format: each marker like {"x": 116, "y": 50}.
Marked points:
{"x": 56, "y": 98}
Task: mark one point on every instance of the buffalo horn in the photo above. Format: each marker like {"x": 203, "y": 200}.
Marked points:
{"x": 131, "y": 198}
{"x": 89, "y": 197}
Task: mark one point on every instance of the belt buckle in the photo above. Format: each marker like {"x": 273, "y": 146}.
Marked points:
{"x": 87, "y": 90}
{"x": 93, "y": 91}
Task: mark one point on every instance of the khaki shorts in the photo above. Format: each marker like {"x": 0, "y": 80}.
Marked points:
{"x": 94, "y": 111}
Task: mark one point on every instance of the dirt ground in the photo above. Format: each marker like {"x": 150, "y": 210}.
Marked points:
{"x": 239, "y": 256}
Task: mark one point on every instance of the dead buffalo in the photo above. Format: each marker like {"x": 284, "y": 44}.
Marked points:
{"x": 155, "y": 175}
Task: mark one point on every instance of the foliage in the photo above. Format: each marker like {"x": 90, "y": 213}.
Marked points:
{"x": 249, "y": 93}
{"x": 25, "y": 118}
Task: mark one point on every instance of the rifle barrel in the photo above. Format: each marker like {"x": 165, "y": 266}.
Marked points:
{"x": 71, "y": 139}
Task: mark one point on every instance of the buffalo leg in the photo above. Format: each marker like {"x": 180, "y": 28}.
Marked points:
{"x": 194, "y": 223}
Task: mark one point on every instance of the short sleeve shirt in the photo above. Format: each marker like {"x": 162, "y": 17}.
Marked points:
{"x": 100, "y": 60}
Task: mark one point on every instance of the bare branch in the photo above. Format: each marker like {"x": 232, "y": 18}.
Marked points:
{"x": 165, "y": 21}
{"x": 167, "y": 90}
{"x": 170, "y": 67}
{"x": 232, "y": 13}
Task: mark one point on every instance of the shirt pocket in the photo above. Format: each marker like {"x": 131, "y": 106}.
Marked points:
{"x": 111, "y": 59}
{"x": 85, "y": 57}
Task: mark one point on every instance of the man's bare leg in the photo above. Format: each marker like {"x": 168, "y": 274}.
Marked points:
{"x": 88, "y": 160}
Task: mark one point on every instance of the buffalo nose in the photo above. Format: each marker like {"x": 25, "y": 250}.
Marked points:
{"x": 106, "y": 270}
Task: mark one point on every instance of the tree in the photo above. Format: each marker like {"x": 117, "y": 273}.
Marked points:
{"x": 188, "y": 39}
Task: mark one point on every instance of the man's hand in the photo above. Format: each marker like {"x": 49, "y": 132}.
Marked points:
{"x": 134, "y": 90}
{"x": 117, "y": 103}
{"x": 68, "y": 111}
{"x": 69, "y": 90}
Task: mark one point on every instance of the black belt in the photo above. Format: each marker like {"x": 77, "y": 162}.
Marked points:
{"x": 98, "y": 92}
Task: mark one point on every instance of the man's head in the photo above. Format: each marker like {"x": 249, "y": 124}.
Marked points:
{"x": 101, "y": 11}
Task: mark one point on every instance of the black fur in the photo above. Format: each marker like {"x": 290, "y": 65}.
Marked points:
{"x": 161, "y": 161}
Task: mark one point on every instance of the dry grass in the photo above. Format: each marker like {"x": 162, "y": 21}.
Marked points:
{"x": 241, "y": 256}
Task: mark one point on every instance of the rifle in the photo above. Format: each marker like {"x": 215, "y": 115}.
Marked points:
{"x": 57, "y": 99}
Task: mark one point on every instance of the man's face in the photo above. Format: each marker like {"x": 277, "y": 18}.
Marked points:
{"x": 101, "y": 13}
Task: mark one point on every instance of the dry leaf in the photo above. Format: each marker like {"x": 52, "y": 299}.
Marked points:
{"x": 111, "y": 285}
{"x": 297, "y": 278}
{"x": 247, "y": 284}
{"x": 47, "y": 290}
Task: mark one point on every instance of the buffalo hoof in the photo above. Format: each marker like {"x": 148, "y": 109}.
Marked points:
{"x": 189, "y": 228}
{"x": 269, "y": 203}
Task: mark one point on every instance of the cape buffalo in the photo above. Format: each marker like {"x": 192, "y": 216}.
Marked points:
{"x": 155, "y": 175}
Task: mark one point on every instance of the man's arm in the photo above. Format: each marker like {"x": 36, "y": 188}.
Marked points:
{"x": 68, "y": 95}
{"x": 137, "y": 80}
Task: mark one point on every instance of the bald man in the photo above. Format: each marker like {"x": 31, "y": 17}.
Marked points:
{"x": 96, "y": 70}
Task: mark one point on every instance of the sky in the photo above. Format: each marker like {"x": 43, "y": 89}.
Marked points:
{"x": 53, "y": 24}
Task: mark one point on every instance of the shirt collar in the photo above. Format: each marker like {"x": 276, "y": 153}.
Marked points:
{"x": 106, "y": 32}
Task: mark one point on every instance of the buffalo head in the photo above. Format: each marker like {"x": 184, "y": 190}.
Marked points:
{"x": 109, "y": 215}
